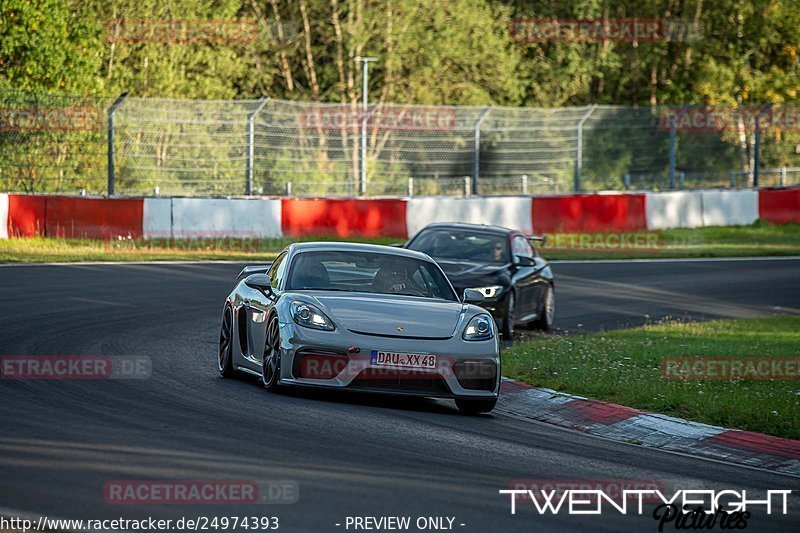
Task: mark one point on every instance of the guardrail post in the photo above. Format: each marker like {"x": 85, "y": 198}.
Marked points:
{"x": 757, "y": 149}
{"x": 476, "y": 156}
{"x": 111, "y": 132}
{"x": 576, "y": 185}
{"x": 288, "y": 188}
{"x": 251, "y": 134}
{"x": 468, "y": 184}
{"x": 783, "y": 176}
{"x": 524, "y": 184}
{"x": 410, "y": 187}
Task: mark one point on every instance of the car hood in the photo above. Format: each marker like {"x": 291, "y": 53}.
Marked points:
{"x": 383, "y": 314}
{"x": 464, "y": 274}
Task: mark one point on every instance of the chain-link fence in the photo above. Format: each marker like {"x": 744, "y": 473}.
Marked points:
{"x": 272, "y": 147}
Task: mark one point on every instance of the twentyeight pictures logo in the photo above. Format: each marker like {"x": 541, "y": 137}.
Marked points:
{"x": 685, "y": 509}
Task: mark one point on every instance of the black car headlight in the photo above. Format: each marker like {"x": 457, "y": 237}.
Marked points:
{"x": 310, "y": 316}
{"x": 479, "y": 328}
{"x": 491, "y": 291}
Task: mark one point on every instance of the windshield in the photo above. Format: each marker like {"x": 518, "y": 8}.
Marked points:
{"x": 356, "y": 271}
{"x": 463, "y": 245}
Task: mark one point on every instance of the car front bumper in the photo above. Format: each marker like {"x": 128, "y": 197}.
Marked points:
{"x": 464, "y": 369}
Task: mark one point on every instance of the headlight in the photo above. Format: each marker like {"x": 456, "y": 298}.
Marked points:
{"x": 490, "y": 292}
{"x": 310, "y": 316}
{"x": 479, "y": 328}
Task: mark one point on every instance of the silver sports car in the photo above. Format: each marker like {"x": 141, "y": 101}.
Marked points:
{"x": 361, "y": 317}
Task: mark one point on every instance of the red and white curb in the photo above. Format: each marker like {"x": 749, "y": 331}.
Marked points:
{"x": 620, "y": 423}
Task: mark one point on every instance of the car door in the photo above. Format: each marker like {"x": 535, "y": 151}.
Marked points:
{"x": 526, "y": 278}
{"x": 257, "y": 307}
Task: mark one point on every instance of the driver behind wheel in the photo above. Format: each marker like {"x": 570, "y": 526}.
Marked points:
{"x": 391, "y": 279}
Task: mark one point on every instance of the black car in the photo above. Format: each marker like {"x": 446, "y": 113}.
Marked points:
{"x": 499, "y": 262}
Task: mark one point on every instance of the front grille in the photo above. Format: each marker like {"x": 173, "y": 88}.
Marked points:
{"x": 476, "y": 375}
{"x": 399, "y": 380}
{"x": 318, "y": 364}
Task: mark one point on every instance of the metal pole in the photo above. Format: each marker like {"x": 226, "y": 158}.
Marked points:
{"x": 783, "y": 176}
{"x": 476, "y": 158}
{"x": 673, "y": 140}
{"x": 251, "y": 134}
{"x": 111, "y": 132}
{"x": 576, "y": 185}
{"x": 410, "y": 187}
{"x": 364, "y": 88}
{"x": 524, "y": 184}
{"x": 757, "y": 150}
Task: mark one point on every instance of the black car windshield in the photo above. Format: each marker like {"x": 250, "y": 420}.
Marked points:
{"x": 357, "y": 271}
{"x": 481, "y": 247}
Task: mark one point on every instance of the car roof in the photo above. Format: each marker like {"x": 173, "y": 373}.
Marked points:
{"x": 485, "y": 228}
{"x": 334, "y": 246}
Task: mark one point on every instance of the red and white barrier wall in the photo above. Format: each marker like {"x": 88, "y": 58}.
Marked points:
{"x": 108, "y": 218}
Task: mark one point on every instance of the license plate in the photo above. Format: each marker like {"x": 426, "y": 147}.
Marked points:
{"x": 405, "y": 360}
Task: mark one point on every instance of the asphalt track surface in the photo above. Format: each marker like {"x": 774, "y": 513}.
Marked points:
{"x": 350, "y": 455}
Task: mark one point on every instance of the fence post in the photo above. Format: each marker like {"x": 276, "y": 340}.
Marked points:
{"x": 476, "y": 157}
{"x": 579, "y": 149}
{"x": 410, "y": 187}
{"x": 288, "y": 188}
{"x": 783, "y": 176}
{"x": 468, "y": 185}
{"x": 111, "y": 133}
{"x": 524, "y": 184}
{"x": 673, "y": 141}
{"x": 251, "y": 137}
{"x": 757, "y": 150}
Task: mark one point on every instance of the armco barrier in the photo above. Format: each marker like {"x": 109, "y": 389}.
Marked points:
{"x": 679, "y": 209}
{"x": 729, "y": 208}
{"x": 589, "y": 213}
{"x": 224, "y": 217}
{"x": 510, "y": 211}
{"x": 157, "y": 218}
{"x": 779, "y": 206}
{"x": 26, "y": 215}
{"x": 344, "y": 217}
{"x": 3, "y": 216}
{"x": 93, "y": 218}
{"x": 104, "y": 218}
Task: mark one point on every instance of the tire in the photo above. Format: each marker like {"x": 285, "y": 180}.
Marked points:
{"x": 547, "y": 313}
{"x": 225, "y": 353}
{"x": 509, "y": 317}
{"x": 474, "y": 407}
{"x": 271, "y": 362}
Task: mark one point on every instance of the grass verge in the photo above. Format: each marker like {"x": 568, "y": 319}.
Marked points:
{"x": 759, "y": 239}
{"x": 623, "y": 367}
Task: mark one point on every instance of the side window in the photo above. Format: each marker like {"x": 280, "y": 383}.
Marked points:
{"x": 521, "y": 247}
{"x": 277, "y": 271}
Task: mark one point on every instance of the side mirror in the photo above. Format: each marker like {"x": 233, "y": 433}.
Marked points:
{"x": 259, "y": 282}
{"x": 473, "y": 296}
{"x": 524, "y": 261}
